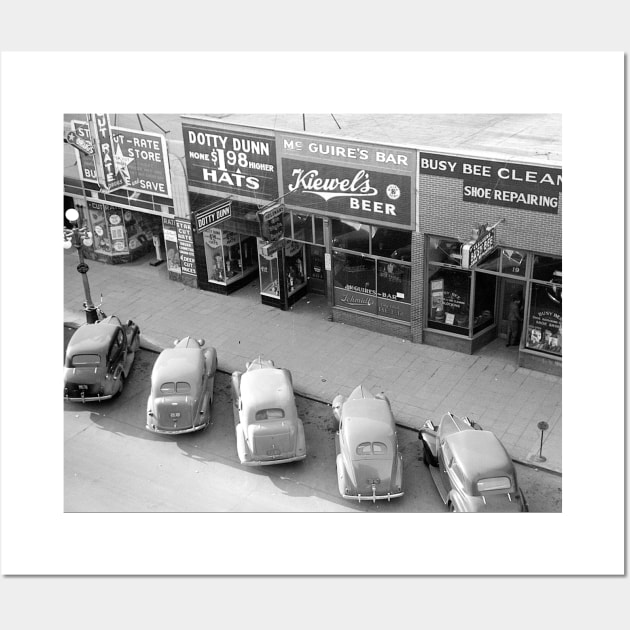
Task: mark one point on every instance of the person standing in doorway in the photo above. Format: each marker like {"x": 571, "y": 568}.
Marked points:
{"x": 514, "y": 322}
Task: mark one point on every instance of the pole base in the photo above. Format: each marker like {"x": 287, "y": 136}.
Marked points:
{"x": 155, "y": 263}
{"x": 91, "y": 315}
{"x": 540, "y": 458}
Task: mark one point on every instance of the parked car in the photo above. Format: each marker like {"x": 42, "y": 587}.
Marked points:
{"x": 99, "y": 357}
{"x": 470, "y": 467}
{"x": 369, "y": 465}
{"x": 268, "y": 429}
{"x": 182, "y": 388}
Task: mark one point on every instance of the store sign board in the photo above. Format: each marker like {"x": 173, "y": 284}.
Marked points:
{"x": 512, "y": 185}
{"x": 366, "y": 195}
{"x": 170, "y": 241}
{"x": 374, "y": 183}
{"x": 85, "y": 146}
{"x": 211, "y": 215}
{"x": 479, "y": 249}
{"x": 186, "y": 249}
{"x": 231, "y": 162}
{"x": 141, "y": 154}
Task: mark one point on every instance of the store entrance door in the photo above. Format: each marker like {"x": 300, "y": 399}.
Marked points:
{"x": 315, "y": 269}
{"x": 509, "y": 288}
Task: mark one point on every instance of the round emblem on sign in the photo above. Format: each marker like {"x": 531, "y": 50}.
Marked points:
{"x": 114, "y": 219}
{"x": 542, "y": 425}
{"x": 128, "y": 215}
{"x": 99, "y": 230}
{"x": 133, "y": 243}
{"x": 393, "y": 192}
{"x": 119, "y": 246}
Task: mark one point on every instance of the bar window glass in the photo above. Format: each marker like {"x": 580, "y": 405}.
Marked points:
{"x": 354, "y": 273}
{"x": 390, "y": 243}
{"x": 351, "y": 235}
{"x": 394, "y": 281}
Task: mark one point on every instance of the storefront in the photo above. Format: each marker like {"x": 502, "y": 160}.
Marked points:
{"x": 512, "y": 214}
{"x": 126, "y": 216}
{"x": 355, "y": 205}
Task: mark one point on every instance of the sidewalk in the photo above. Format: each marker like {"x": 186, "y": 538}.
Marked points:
{"x": 328, "y": 358}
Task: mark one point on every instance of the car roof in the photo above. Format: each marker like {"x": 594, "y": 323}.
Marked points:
{"x": 480, "y": 454}
{"x": 367, "y": 420}
{"x": 91, "y": 338}
{"x": 177, "y": 364}
{"x": 266, "y": 388}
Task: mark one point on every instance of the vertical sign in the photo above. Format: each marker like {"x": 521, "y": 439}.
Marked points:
{"x": 110, "y": 174}
{"x": 186, "y": 250}
{"x": 172, "y": 250}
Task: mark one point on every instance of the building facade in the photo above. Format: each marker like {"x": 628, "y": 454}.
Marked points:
{"x": 444, "y": 248}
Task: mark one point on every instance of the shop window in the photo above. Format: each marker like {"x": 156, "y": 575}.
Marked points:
{"x": 391, "y": 243}
{"x": 444, "y": 250}
{"x": 351, "y": 235}
{"x": 513, "y": 262}
{"x": 547, "y": 268}
{"x": 229, "y": 256}
{"x": 485, "y": 292}
{"x": 544, "y": 325}
{"x": 449, "y": 299}
{"x": 354, "y": 273}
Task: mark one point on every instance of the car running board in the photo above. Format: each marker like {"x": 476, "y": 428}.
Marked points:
{"x": 439, "y": 484}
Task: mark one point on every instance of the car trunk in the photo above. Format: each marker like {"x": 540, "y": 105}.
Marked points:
{"x": 272, "y": 440}
{"x": 174, "y": 413}
{"x": 373, "y": 472}
{"x": 83, "y": 381}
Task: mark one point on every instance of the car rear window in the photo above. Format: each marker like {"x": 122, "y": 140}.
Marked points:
{"x": 86, "y": 360}
{"x": 181, "y": 387}
{"x": 269, "y": 414}
{"x": 371, "y": 448}
{"x": 494, "y": 483}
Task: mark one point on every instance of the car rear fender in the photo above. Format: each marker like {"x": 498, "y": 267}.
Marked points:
{"x": 211, "y": 361}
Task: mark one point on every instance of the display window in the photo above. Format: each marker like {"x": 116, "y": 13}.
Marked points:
{"x": 445, "y": 251}
{"x": 307, "y": 228}
{"x": 449, "y": 299}
{"x": 544, "y": 322}
{"x": 229, "y": 256}
{"x": 294, "y": 265}
{"x": 268, "y": 270}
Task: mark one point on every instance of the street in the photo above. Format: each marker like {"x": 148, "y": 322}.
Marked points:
{"x": 113, "y": 464}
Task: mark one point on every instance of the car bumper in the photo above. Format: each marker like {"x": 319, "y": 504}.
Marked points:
{"x": 84, "y": 399}
{"x": 373, "y": 497}
{"x": 175, "y": 431}
{"x": 269, "y": 462}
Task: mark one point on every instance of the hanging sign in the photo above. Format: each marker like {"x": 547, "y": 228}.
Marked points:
{"x": 272, "y": 223}
{"x": 211, "y": 215}
{"x": 481, "y": 245}
{"x": 111, "y": 166}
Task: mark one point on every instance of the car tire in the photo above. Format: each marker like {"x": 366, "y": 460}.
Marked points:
{"x": 427, "y": 456}
{"x": 451, "y": 507}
